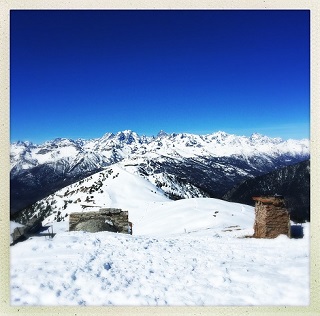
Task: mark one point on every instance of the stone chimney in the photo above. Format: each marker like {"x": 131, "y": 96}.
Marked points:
{"x": 271, "y": 217}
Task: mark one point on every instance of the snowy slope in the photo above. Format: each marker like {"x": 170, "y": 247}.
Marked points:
{"x": 118, "y": 186}
{"x": 121, "y": 186}
{"x": 187, "y": 252}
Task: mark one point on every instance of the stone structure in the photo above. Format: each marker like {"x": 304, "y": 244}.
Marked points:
{"x": 271, "y": 217}
{"x": 106, "y": 219}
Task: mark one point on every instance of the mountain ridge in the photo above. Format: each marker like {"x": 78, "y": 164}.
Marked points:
{"x": 213, "y": 163}
{"x": 293, "y": 182}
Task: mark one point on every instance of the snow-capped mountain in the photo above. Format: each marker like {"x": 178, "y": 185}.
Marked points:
{"x": 209, "y": 164}
{"x": 111, "y": 148}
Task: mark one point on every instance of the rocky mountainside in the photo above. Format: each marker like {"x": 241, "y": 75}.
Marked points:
{"x": 293, "y": 182}
{"x": 206, "y": 165}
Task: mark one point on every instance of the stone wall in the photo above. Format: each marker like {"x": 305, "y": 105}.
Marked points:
{"x": 106, "y": 219}
{"x": 271, "y": 217}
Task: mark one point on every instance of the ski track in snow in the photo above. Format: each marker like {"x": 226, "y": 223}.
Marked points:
{"x": 205, "y": 267}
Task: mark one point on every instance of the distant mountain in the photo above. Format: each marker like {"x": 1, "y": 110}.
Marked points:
{"x": 209, "y": 165}
{"x": 293, "y": 182}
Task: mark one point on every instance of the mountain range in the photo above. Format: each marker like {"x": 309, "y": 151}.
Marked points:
{"x": 177, "y": 165}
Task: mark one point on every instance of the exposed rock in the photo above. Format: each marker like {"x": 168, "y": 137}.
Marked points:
{"x": 23, "y": 232}
{"x": 18, "y": 234}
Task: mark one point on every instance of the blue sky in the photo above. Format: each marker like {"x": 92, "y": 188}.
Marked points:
{"x": 80, "y": 74}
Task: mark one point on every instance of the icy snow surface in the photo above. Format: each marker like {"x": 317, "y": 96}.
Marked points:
{"x": 187, "y": 252}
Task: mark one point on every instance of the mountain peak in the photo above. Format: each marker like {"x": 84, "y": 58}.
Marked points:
{"x": 262, "y": 138}
{"x": 256, "y": 136}
{"x": 128, "y": 137}
{"x": 162, "y": 133}
{"x": 24, "y": 143}
{"x": 107, "y": 135}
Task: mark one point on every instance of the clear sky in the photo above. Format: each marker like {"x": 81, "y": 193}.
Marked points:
{"x": 80, "y": 74}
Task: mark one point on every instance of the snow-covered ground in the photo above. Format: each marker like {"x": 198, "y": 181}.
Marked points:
{"x": 187, "y": 252}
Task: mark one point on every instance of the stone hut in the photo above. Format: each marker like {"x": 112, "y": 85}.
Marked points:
{"x": 106, "y": 219}
{"x": 271, "y": 217}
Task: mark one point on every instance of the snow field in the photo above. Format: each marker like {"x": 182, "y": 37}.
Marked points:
{"x": 206, "y": 267}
